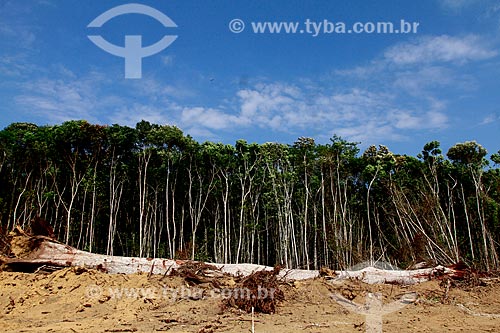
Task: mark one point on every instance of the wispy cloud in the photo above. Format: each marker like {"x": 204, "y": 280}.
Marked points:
{"x": 156, "y": 90}
{"x": 293, "y": 108}
{"x": 494, "y": 9}
{"x": 131, "y": 115}
{"x": 65, "y": 98}
{"x": 423, "y": 81}
{"x": 490, "y": 119}
{"x": 14, "y": 29}
{"x": 23, "y": 35}
{"x": 392, "y": 97}
{"x": 433, "y": 49}
{"x": 456, "y": 4}
{"x": 15, "y": 66}
{"x": 209, "y": 118}
{"x": 420, "y": 75}
{"x": 357, "y": 114}
{"x": 389, "y": 99}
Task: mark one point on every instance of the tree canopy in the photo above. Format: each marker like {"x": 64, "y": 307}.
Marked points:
{"x": 153, "y": 191}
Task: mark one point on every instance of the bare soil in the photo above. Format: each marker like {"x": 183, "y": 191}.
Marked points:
{"x": 80, "y": 300}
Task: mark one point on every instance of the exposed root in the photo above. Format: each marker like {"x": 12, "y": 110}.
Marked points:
{"x": 195, "y": 273}
{"x": 259, "y": 291}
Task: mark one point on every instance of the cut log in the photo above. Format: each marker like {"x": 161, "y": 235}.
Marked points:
{"x": 32, "y": 252}
{"x": 40, "y": 250}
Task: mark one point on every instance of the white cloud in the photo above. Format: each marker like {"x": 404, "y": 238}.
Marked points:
{"x": 394, "y": 125}
{"x": 369, "y": 133}
{"x": 363, "y": 71}
{"x": 422, "y": 69}
{"x": 131, "y": 115}
{"x": 208, "y": 118}
{"x": 432, "y": 49}
{"x": 356, "y": 113}
{"x": 419, "y": 81}
{"x": 456, "y": 4}
{"x": 15, "y": 31}
{"x": 378, "y": 102}
{"x": 65, "y": 98}
{"x": 428, "y": 81}
{"x": 405, "y": 120}
{"x": 21, "y": 36}
{"x": 156, "y": 91}
{"x": 420, "y": 75}
{"x": 57, "y": 100}
{"x": 47, "y": 3}
{"x": 489, "y": 119}
{"x": 15, "y": 65}
{"x": 494, "y": 9}
{"x": 265, "y": 98}
{"x": 437, "y": 119}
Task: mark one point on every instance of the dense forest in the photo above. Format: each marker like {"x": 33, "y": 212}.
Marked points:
{"x": 153, "y": 191}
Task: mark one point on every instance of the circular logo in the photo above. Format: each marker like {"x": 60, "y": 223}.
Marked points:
{"x": 236, "y": 26}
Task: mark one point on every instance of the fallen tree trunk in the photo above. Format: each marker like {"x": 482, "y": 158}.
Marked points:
{"x": 40, "y": 250}
{"x": 35, "y": 251}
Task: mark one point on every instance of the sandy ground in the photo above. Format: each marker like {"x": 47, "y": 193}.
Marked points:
{"x": 76, "y": 300}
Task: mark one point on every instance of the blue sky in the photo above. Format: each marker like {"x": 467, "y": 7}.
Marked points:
{"x": 401, "y": 90}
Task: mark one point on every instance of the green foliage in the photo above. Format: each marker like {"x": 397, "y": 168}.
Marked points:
{"x": 470, "y": 154}
{"x": 156, "y": 191}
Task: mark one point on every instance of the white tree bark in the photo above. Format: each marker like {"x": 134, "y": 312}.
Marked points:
{"x": 40, "y": 250}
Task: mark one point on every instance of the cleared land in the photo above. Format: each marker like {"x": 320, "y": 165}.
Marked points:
{"x": 81, "y": 300}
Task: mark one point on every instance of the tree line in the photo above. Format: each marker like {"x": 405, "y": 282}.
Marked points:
{"x": 152, "y": 191}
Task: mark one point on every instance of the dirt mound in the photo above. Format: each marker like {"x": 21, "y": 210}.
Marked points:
{"x": 83, "y": 300}
{"x": 205, "y": 298}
